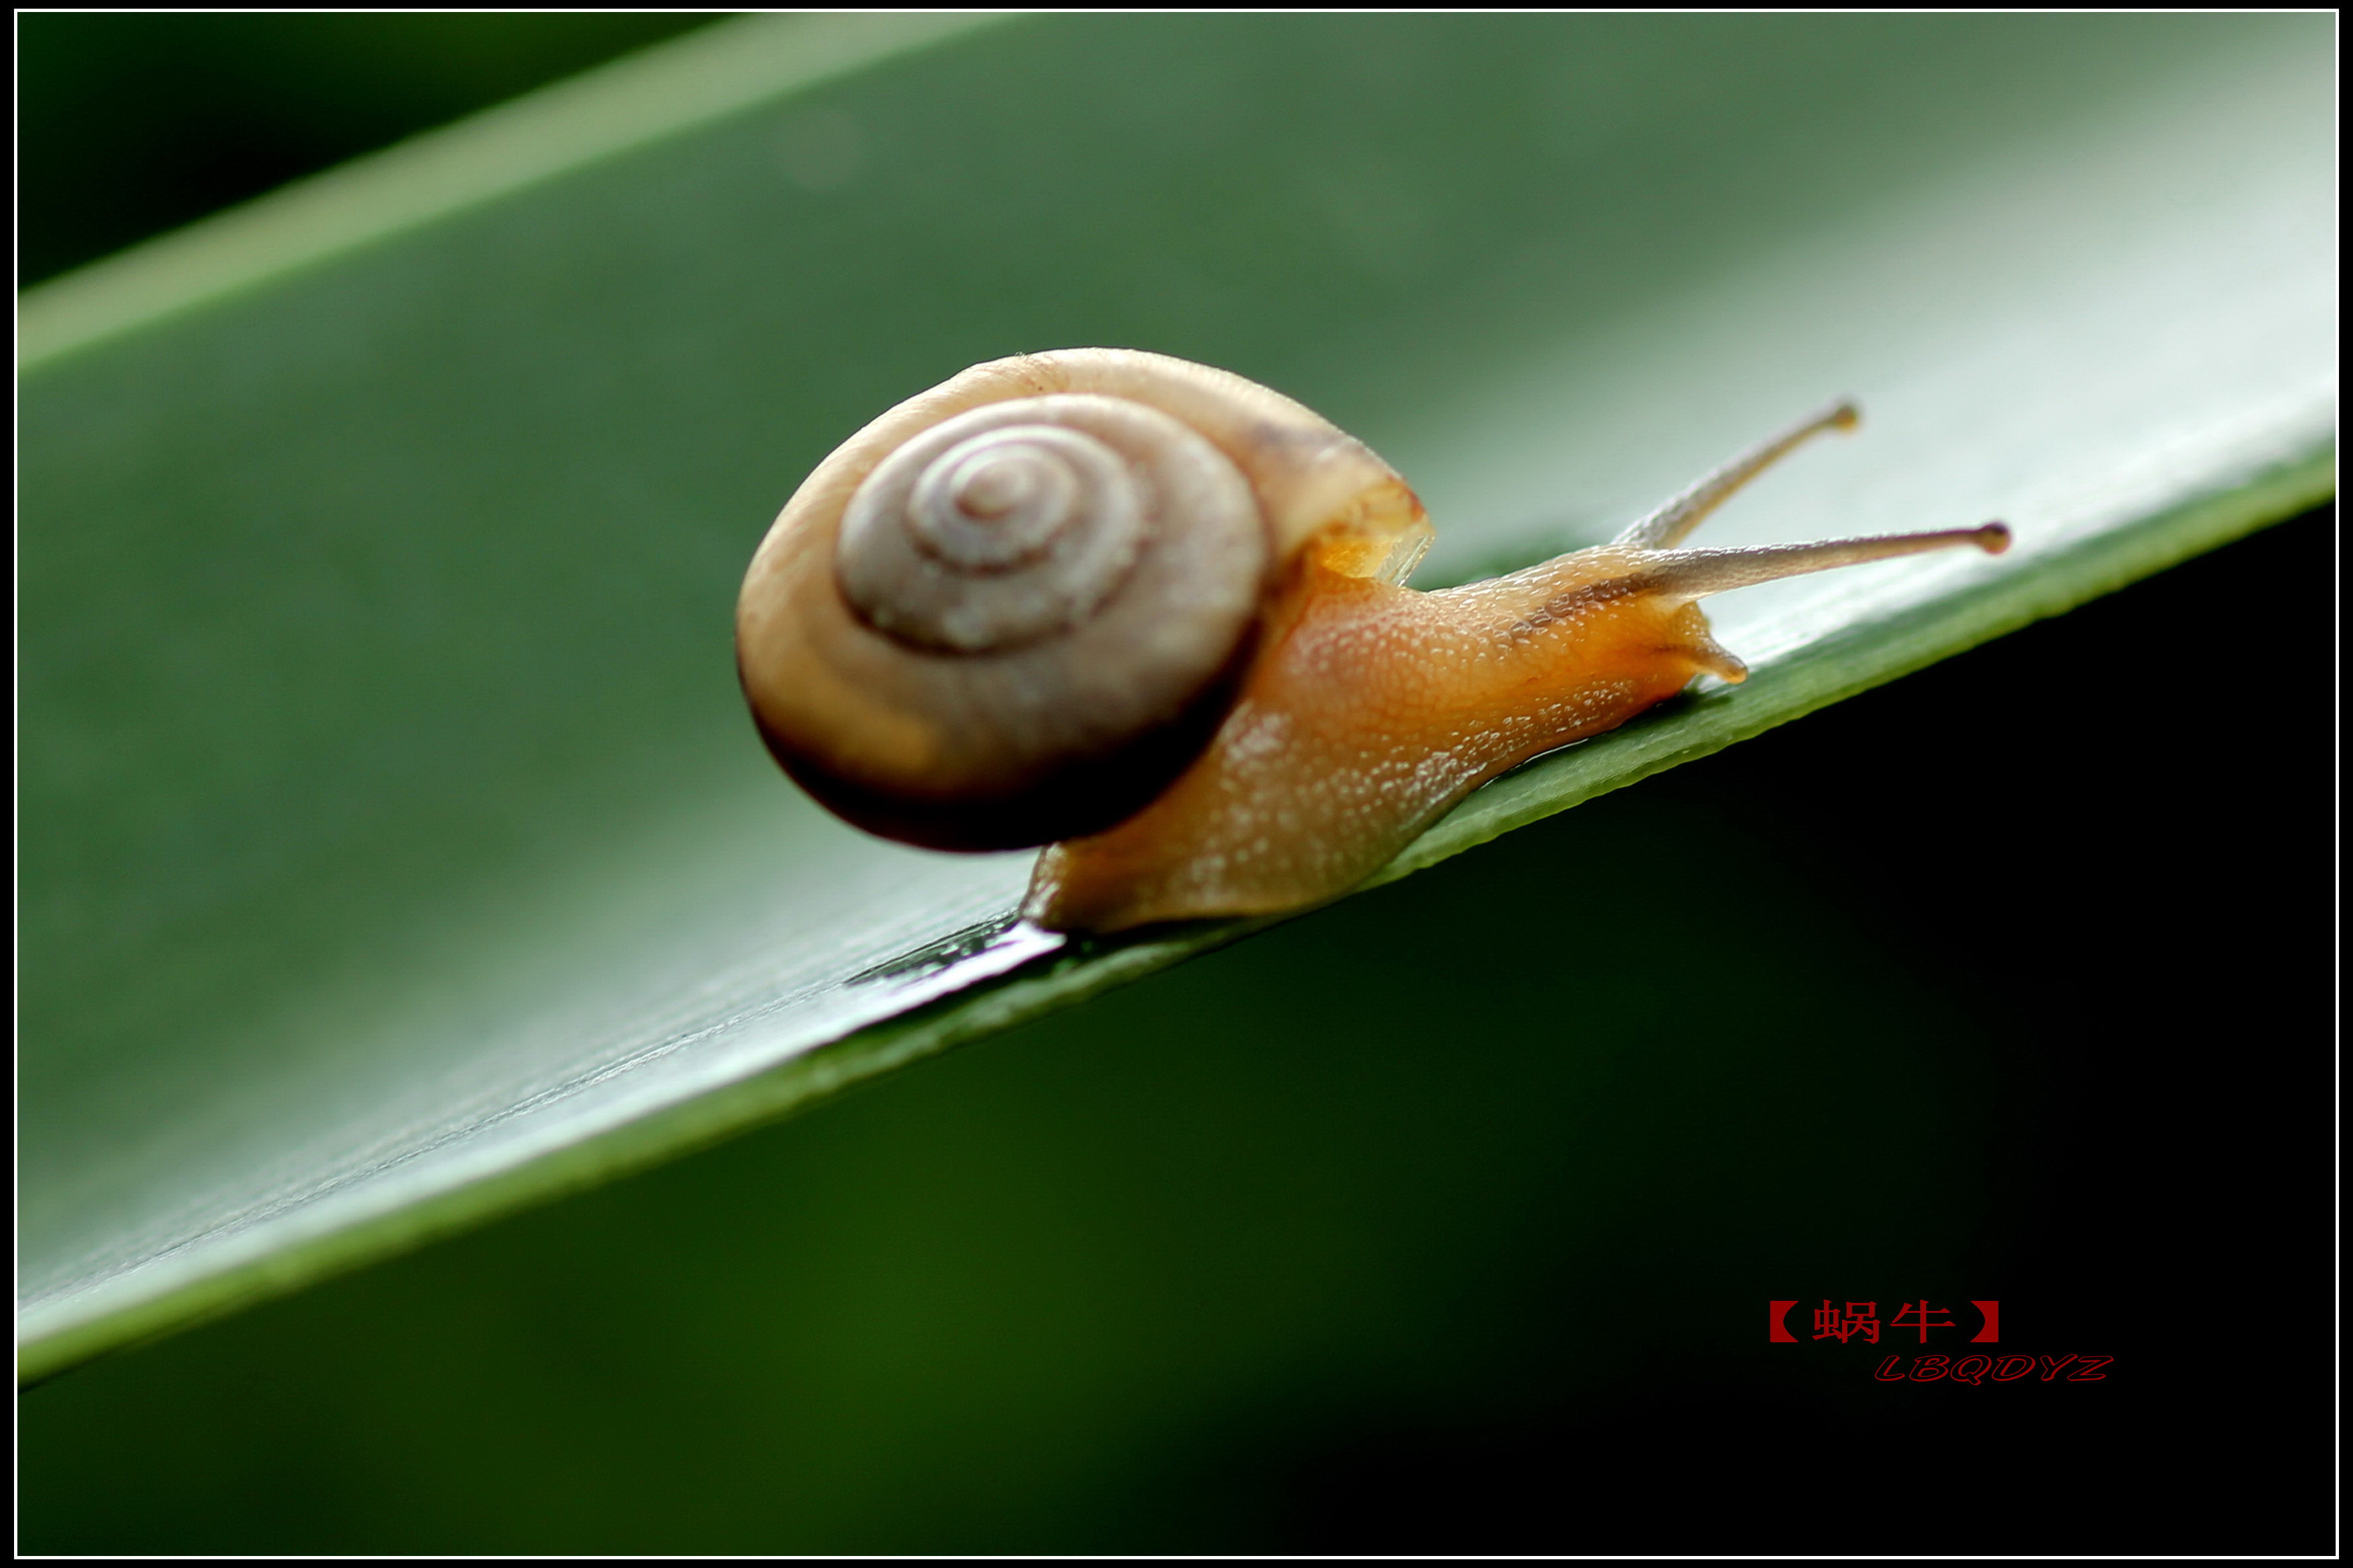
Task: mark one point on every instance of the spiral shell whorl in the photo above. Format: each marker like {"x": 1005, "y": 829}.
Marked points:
{"x": 1014, "y": 521}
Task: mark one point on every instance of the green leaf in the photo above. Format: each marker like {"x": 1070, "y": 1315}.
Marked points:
{"x": 395, "y": 849}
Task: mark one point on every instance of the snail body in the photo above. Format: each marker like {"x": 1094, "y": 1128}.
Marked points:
{"x": 1153, "y": 616}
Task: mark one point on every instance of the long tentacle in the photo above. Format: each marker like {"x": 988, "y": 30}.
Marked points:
{"x": 1669, "y": 524}
{"x": 1697, "y": 572}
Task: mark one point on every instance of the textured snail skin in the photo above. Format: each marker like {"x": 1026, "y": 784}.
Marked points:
{"x": 1370, "y": 710}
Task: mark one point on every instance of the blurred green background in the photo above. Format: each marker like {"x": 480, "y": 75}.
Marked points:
{"x": 1440, "y": 1220}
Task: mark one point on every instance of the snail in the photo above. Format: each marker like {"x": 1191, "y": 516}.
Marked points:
{"x": 1153, "y": 616}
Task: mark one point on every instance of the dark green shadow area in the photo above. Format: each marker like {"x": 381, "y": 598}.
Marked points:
{"x": 130, "y": 124}
{"x": 1446, "y": 1218}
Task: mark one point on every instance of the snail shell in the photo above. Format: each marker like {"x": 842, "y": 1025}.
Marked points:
{"x": 1010, "y": 610}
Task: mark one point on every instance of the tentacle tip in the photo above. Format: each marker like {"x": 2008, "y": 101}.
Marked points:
{"x": 1993, "y": 538}
{"x": 1846, "y": 414}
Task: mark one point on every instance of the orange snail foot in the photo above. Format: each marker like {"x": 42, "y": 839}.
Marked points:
{"x": 1372, "y": 710}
